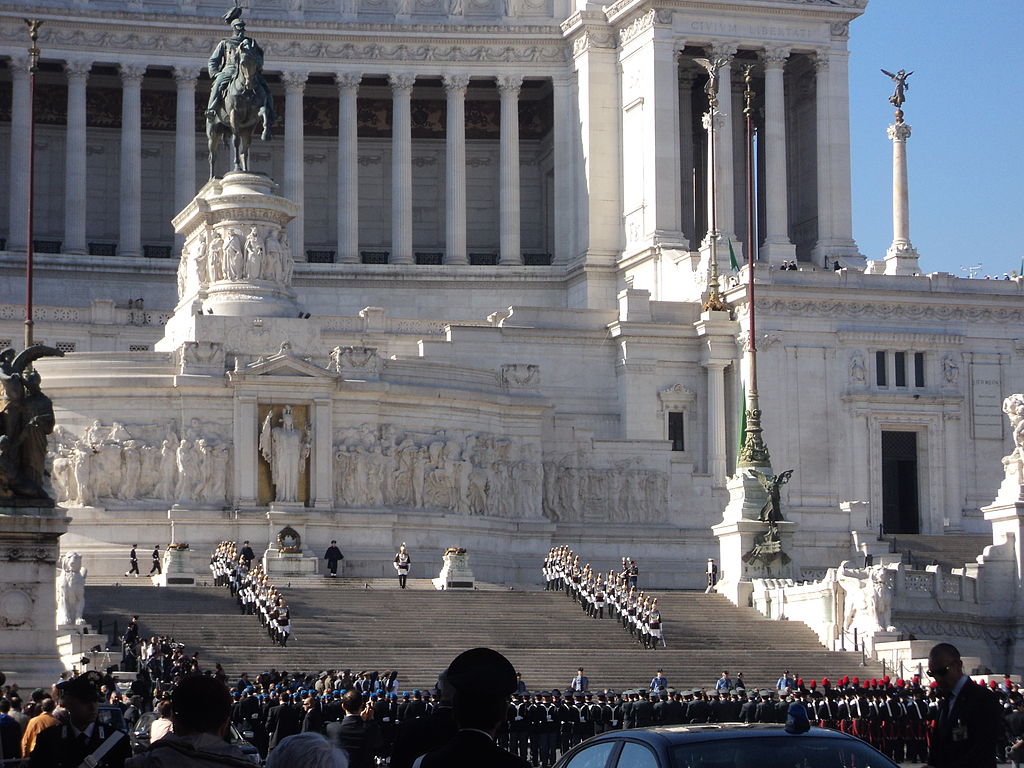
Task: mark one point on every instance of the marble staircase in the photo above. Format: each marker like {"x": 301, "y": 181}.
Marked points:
{"x": 949, "y": 550}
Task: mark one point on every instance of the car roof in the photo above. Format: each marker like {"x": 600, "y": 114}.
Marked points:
{"x": 670, "y": 735}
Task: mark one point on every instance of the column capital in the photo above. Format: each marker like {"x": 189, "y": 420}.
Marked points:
{"x": 822, "y": 59}
{"x": 347, "y": 80}
{"x": 132, "y": 74}
{"x": 721, "y": 50}
{"x": 456, "y": 83}
{"x": 18, "y": 64}
{"x": 77, "y": 70}
{"x": 899, "y": 132}
{"x": 775, "y": 56}
{"x": 294, "y": 79}
{"x": 186, "y": 76}
{"x": 401, "y": 83}
{"x": 509, "y": 84}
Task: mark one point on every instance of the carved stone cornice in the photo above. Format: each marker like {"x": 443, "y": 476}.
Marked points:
{"x": 647, "y": 20}
{"x": 890, "y": 311}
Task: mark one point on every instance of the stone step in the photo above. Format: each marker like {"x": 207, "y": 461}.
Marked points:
{"x": 948, "y": 550}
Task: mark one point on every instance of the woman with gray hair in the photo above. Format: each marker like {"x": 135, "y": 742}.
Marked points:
{"x": 310, "y": 750}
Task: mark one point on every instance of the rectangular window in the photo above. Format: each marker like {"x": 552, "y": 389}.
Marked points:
{"x": 880, "y": 369}
{"x": 919, "y": 369}
{"x": 901, "y": 369}
{"x": 675, "y": 430}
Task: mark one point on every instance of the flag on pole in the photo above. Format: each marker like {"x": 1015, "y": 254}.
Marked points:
{"x": 743, "y": 418}
{"x": 732, "y": 258}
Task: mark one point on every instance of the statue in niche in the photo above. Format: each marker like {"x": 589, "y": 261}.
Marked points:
{"x": 234, "y": 255}
{"x": 253, "y": 255}
{"x": 858, "y": 370}
{"x": 71, "y": 590}
{"x": 215, "y": 258}
{"x": 950, "y": 369}
{"x": 285, "y": 449}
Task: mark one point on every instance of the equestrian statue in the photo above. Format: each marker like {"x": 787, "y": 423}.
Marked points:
{"x": 240, "y": 99}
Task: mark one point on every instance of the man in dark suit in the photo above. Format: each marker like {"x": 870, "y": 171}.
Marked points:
{"x": 357, "y": 733}
{"x": 970, "y": 719}
{"x": 483, "y": 681}
{"x": 333, "y": 556}
{"x": 67, "y": 745}
{"x": 284, "y": 720}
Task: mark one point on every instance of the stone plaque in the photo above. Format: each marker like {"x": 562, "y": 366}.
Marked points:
{"x": 987, "y": 401}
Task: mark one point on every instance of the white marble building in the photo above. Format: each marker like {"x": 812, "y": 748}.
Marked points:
{"x": 501, "y": 244}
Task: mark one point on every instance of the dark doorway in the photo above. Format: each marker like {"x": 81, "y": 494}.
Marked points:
{"x": 900, "y": 511}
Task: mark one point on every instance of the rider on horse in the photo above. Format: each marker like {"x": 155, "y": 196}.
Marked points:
{"x": 223, "y": 66}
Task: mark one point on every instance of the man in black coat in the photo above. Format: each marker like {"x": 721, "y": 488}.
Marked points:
{"x": 357, "y": 733}
{"x": 247, "y": 554}
{"x": 970, "y": 719}
{"x": 332, "y": 556}
{"x": 483, "y": 681}
{"x": 284, "y": 720}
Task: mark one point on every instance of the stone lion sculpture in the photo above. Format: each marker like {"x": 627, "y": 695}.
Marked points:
{"x": 71, "y": 590}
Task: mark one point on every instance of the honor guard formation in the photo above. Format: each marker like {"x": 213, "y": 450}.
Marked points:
{"x": 638, "y": 613}
{"x": 250, "y": 586}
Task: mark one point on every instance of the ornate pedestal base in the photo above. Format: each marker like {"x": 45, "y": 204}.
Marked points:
{"x": 902, "y": 259}
{"x": 286, "y": 556}
{"x": 28, "y": 635}
{"x": 178, "y": 568}
{"x": 456, "y": 573}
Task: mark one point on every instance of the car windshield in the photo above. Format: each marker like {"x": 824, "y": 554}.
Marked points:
{"x": 775, "y": 752}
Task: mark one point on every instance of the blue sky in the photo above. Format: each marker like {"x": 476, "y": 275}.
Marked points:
{"x": 966, "y": 107}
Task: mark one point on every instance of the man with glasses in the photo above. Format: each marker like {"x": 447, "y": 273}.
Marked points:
{"x": 969, "y": 718}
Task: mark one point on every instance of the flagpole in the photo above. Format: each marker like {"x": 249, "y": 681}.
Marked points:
{"x": 33, "y": 65}
{"x": 754, "y": 452}
{"x": 714, "y": 302}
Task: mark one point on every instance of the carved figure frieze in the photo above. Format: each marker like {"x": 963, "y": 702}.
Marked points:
{"x": 625, "y": 492}
{"x": 233, "y": 253}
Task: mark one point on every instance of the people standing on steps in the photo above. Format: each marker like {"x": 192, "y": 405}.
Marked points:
{"x": 133, "y": 559}
{"x": 402, "y": 563}
{"x": 157, "y": 568}
{"x": 332, "y": 556}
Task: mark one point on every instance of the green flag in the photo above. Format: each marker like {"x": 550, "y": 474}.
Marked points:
{"x": 732, "y": 258}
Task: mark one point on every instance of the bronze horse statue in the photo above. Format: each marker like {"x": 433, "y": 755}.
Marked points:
{"x": 243, "y": 110}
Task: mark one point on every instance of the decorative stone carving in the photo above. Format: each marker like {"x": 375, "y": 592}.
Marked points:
{"x": 625, "y": 492}
{"x": 360, "y": 362}
{"x": 16, "y": 606}
{"x": 676, "y": 397}
{"x": 70, "y": 590}
{"x": 951, "y": 369}
{"x": 867, "y": 606}
{"x": 286, "y": 449}
{"x": 1013, "y": 407}
{"x": 519, "y": 375}
{"x": 201, "y": 357}
{"x": 858, "y": 368}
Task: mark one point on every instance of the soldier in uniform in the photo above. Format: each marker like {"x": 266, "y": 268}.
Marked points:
{"x": 402, "y": 564}
{"x": 157, "y": 568}
{"x": 133, "y": 559}
{"x": 247, "y": 554}
{"x": 332, "y": 556}
{"x": 68, "y": 745}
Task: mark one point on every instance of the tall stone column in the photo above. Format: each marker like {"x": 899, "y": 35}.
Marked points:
{"x": 75, "y": 205}
{"x": 20, "y": 108}
{"x": 348, "y": 166}
{"x": 401, "y": 168}
{"x": 724, "y": 158}
{"x": 130, "y": 224}
{"x": 455, "y": 170}
{"x": 716, "y": 421}
{"x": 509, "y": 209}
{"x": 843, "y": 243}
{"x": 294, "y": 158}
{"x": 901, "y": 258}
{"x": 777, "y": 246}
{"x": 686, "y": 159}
{"x": 564, "y": 163}
{"x": 185, "y": 136}
{"x": 823, "y": 248}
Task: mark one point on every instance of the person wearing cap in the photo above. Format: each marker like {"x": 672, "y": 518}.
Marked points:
{"x": 333, "y": 556}
{"x": 247, "y": 555}
{"x": 157, "y": 568}
{"x": 402, "y": 564}
{"x": 133, "y": 562}
{"x": 68, "y": 745}
{"x": 482, "y": 680}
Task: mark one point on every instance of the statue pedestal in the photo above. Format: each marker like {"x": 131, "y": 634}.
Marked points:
{"x": 75, "y": 642}
{"x": 736, "y": 537}
{"x": 285, "y": 556}
{"x": 177, "y": 564}
{"x": 455, "y": 573}
{"x": 29, "y": 546}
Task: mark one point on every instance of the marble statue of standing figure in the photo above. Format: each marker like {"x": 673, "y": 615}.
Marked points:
{"x": 286, "y": 449}
{"x": 253, "y": 255}
{"x": 70, "y": 590}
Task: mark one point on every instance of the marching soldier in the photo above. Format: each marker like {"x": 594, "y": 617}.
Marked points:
{"x": 402, "y": 564}
{"x": 157, "y": 568}
{"x": 333, "y": 556}
{"x": 133, "y": 560}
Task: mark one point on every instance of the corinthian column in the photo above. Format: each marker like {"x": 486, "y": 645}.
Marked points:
{"x": 348, "y": 166}
{"x": 455, "y": 170}
{"x": 777, "y": 246}
{"x": 901, "y": 258}
{"x": 823, "y": 158}
{"x": 401, "y": 168}
{"x": 130, "y": 229}
{"x": 20, "y": 106}
{"x": 185, "y": 136}
{"x": 77, "y": 72}
{"x": 511, "y": 252}
{"x": 294, "y": 154}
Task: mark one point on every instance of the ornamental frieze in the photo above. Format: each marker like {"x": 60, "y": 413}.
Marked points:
{"x": 891, "y": 311}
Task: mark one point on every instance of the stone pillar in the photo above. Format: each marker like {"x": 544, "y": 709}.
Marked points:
{"x": 20, "y": 108}
{"x": 688, "y": 221}
{"x": 716, "y": 421}
{"x": 401, "y": 168}
{"x": 294, "y": 158}
{"x": 75, "y": 200}
{"x": 130, "y": 223}
{"x": 564, "y": 163}
{"x": 323, "y": 455}
{"x": 724, "y": 148}
{"x": 455, "y": 170}
{"x": 185, "y": 136}
{"x": 245, "y": 438}
{"x": 901, "y": 258}
{"x": 348, "y": 167}
{"x": 511, "y": 252}
{"x": 822, "y": 96}
{"x": 843, "y": 243}
{"x": 777, "y": 245}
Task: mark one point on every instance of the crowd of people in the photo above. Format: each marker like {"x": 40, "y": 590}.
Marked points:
{"x": 617, "y": 591}
{"x": 250, "y": 586}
